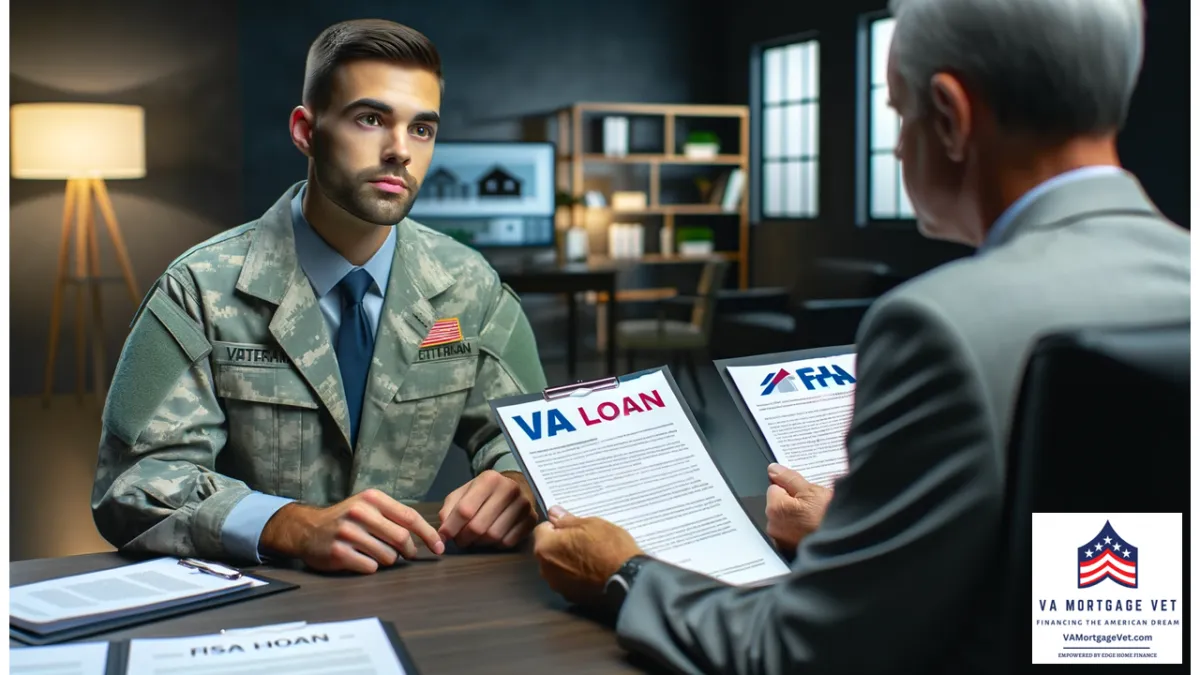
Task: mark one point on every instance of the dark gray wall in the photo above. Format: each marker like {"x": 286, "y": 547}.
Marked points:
{"x": 1154, "y": 144}
{"x": 502, "y": 62}
{"x": 180, "y": 62}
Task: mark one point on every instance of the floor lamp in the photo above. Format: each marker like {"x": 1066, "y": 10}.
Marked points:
{"x": 83, "y": 143}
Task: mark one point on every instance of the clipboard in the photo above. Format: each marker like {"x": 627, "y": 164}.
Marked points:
{"x": 581, "y": 390}
{"x": 117, "y": 662}
{"x": 723, "y": 366}
{"x": 31, "y": 634}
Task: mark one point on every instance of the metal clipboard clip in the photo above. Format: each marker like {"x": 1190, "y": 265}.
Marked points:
{"x": 211, "y": 568}
{"x": 580, "y": 389}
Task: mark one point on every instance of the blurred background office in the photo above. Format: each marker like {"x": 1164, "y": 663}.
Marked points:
{"x": 719, "y": 183}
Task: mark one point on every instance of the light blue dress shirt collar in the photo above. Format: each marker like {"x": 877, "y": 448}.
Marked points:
{"x": 1010, "y": 214}
{"x": 324, "y": 266}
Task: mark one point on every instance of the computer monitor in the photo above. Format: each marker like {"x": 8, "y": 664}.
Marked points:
{"x": 490, "y": 193}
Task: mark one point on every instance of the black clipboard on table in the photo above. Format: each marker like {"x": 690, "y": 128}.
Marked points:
{"x": 117, "y": 661}
{"x": 607, "y": 384}
{"x": 723, "y": 366}
{"x": 74, "y": 629}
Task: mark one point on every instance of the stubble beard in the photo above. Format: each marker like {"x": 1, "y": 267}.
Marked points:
{"x": 356, "y": 195}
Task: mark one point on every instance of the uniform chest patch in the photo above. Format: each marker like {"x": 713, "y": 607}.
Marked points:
{"x": 443, "y": 332}
{"x": 456, "y": 350}
{"x": 249, "y": 354}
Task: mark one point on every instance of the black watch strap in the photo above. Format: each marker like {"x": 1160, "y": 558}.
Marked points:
{"x": 631, "y": 567}
{"x": 621, "y": 582}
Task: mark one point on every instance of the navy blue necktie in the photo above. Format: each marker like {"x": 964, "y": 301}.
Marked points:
{"x": 355, "y": 345}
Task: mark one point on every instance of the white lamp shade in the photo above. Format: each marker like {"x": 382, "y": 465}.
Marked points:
{"x": 53, "y": 141}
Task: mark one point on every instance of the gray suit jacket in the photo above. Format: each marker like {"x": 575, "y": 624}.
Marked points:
{"x": 901, "y": 575}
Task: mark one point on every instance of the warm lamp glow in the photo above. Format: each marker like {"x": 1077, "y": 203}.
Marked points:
{"x": 53, "y": 141}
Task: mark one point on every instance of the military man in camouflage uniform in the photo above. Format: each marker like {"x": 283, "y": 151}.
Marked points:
{"x": 263, "y": 407}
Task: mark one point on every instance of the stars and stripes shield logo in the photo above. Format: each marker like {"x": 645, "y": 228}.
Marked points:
{"x": 444, "y": 332}
{"x": 1107, "y": 556}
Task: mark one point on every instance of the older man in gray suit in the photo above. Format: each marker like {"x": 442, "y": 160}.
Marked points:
{"x": 1010, "y": 110}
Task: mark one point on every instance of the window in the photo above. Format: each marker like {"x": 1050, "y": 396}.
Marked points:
{"x": 787, "y": 120}
{"x": 886, "y": 197}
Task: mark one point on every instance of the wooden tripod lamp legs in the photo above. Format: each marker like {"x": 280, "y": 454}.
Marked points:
{"x": 87, "y": 268}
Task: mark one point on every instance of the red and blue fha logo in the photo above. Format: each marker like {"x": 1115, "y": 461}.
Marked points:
{"x": 784, "y": 382}
{"x": 1108, "y": 556}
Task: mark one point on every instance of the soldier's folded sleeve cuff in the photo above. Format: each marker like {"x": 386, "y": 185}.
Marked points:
{"x": 507, "y": 463}
{"x": 209, "y": 520}
{"x": 492, "y": 452}
{"x": 243, "y": 527}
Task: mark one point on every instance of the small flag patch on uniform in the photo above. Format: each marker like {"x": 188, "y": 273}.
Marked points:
{"x": 444, "y": 332}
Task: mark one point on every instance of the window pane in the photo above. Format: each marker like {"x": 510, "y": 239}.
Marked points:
{"x": 773, "y": 134}
{"x": 812, "y": 77}
{"x": 883, "y": 186}
{"x": 774, "y": 189}
{"x": 883, "y": 122}
{"x": 802, "y": 189}
{"x": 881, "y": 40}
{"x": 808, "y": 117}
{"x": 795, "y": 130}
{"x": 793, "y": 72}
{"x": 906, "y": 209}
{"x": 793, "y": 188}
{"x": 773, "y": 74}
{"x": 811, "y": 186}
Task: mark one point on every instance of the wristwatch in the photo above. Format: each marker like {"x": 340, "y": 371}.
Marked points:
{"x": 618, "y": 585}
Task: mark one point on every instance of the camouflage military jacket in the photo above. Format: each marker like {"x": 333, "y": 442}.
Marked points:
{"x": 228, "y": 383}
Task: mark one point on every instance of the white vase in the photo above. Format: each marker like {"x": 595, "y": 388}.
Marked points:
{"x": 577, "y": 244}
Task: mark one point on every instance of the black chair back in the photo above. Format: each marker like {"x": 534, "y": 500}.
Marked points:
{"x": 1102, "y": 424}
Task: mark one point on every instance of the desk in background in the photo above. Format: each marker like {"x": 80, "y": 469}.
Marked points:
{"x": 465, "y": 613}
{"x": 570, "y": 279}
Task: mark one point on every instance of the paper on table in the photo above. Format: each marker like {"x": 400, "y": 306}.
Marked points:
{"x": 142, "y": 584}
{"x": 631, "y": 456}
{"x": 89, "y": 658}
{"x": 361, "y": 647}
{"x": 803, "y": 409}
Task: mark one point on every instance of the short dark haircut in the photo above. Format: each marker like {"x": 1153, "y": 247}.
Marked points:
{"x": 374, "y": 39}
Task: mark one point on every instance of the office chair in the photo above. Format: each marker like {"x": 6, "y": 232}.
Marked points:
{"x": 683, "y": 339}
{"x": 1102, "y": 424}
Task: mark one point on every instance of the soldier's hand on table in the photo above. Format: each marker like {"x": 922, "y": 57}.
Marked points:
{"x": 493, "y": 509}
{"x": 360, "y": 534}
{"x": 795, "y": 507}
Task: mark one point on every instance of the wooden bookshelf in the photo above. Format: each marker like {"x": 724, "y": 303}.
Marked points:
{"x": 575, "y": 158}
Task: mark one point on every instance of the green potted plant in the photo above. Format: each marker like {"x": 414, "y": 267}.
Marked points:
{"x": 695, "y": 241}
{"x": 702, "y": 145}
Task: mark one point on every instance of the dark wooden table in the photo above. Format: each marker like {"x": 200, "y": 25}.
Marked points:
{"x": 570, "y": 278}
{"x": 465, "y": 613}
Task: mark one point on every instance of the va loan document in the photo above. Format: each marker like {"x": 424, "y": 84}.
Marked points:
{"x": 631, "y": 456}
{"x": 361, "y": 647}
{"x": 803, "y": 409}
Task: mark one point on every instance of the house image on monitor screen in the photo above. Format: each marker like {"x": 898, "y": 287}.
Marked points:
{"x": 444, "y": 184}
{"x": 499, "y": 183}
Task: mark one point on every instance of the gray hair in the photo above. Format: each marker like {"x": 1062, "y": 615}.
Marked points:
{"x": 1059, "y": 67}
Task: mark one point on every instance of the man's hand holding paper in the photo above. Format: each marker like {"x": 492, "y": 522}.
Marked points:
{"x": 795, "y": 507}
{"x": 576, "y": 556}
